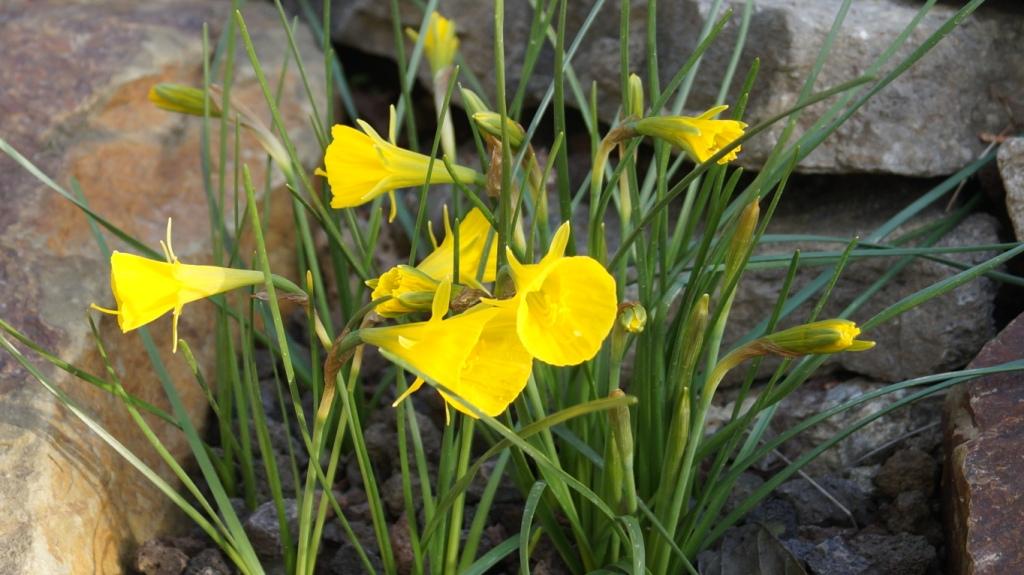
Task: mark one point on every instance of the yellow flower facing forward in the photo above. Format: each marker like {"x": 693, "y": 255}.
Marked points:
{"x": 146, "y": 289}
{"x": 361, "y": 166}
{"x": 827, "y": 336}
{"x": 565, "y": 306}
{"x": 475, "y": 355}
{"x": 412, "y": 288}
{"x": 440, "y": 43}
{"x": 701, "y": 137}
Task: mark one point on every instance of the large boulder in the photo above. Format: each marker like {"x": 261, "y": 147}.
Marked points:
{"x": 983, "y": 480}
{"x": 925, "y": 123}
{"x": 76, "y": 76}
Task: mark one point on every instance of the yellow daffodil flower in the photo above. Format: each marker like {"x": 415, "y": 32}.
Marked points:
{"x": 412, "y": 288}
{"x": 475, "y": 236}
{"x": 827, "y": 336}
{"x": 565, "y": 306}
{"x": 440, "y": 44}
{"x": 701, "y": 137}
{"x": 362, "y": 165}
{"x": 146, "y": 289}
{"x": 475, "y": 355}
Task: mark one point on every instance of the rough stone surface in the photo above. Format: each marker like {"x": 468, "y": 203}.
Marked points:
{"x": 821, "y": 395}
{"x": 907, "y": 470}
{"x": 984, "y": 478}
{"x": 156, "y": 558}
{"x": 815, "y": 508}
{"x": 74, "y": 103}
{"x": 1011, "y": 168}
{"x": 925, "y": 123}
{"x": 900, "y": 554}
{"x": 208, "y": 562}
{"x": 263, "y": 527}
{"x": 941, "y": 334}
{"x": 834, "y": 556}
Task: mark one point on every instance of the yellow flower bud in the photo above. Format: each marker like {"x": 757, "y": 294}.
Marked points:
{"x": 181, "y": 99}
{"x": 410, "y": 289}
{"x": 473, "y": 103}
{"x": 632, "y": 316}
{"x": 701, "y": 137}
{"x": 635, "y": 103}
{"x": 827, "y": 336}
{"x": 490, "y": 122}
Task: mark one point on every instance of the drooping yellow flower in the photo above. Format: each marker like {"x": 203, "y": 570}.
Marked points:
{"x": 826, "y": 336}
{"x": 701, "y": 137}
{"x": 565, "y": 306}
{"x": 475, "y": 355}
{"x": 475, "y": 236}
{"x": 440, "y": 44}
{"x": 412, "y": 288}
{"x": 146, "y": 289}
{"x": 362, "y": 165}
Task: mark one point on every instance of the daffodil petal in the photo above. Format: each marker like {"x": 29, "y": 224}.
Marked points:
{"x": 563, "y": 318}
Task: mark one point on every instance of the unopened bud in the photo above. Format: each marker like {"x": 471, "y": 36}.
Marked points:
{"x": 746, "y": 227}
{"x": 490, "y": 122}
{"x": 635, "y": 103}
{"x": 827, "y": 336}
{"x": 622, "y": 430}
{"x": 632, "y": 316}
{"x": 471, "y": 102}
{"x": 181, "y": 99}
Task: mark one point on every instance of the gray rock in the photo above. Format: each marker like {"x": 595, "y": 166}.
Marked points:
{"x": 776, "y": 514}
{"x": 750, "y": 549}
{"x": 821, "y": 395}
{"x": 208, "y": 562}
{"x": 815, "y": 508}
{"x": 156, "y": 557}
{"x": 900, "y": 554}
{"x": 834, "y": 556}
{"x": 911, "y": 513}
{"x": 943, "y": 333}
{"x": 263, "y": 527}
{"x": 907, "y": 470}
{"x": 925, "y": 123}
{"x": 1011, "y": 168}
{"x": 346, "y": 561}
{"x": 744, "y": 487}
{"x": 864, "y": 477}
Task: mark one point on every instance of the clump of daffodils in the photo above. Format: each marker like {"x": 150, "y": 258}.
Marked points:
{"x": 444, "y": 319}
